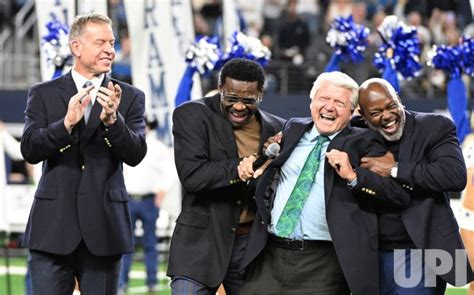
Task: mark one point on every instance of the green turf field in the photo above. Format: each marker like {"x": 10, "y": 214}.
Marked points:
{"x": 137, "y": 284}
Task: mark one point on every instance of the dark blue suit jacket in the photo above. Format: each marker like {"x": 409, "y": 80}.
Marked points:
{"x": 81, "y": 194}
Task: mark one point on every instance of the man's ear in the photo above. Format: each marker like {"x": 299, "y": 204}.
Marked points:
{"x": 75, "y": 47}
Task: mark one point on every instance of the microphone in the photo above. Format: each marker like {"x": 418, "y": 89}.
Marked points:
{"x": 272, "y": 151}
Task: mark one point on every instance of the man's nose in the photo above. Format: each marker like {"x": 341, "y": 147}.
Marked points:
{"x": 109, "y": 48}
{"x": 329, "y": 105}
{"x": 386, "y": 114}
{"x": 239, "y": 106}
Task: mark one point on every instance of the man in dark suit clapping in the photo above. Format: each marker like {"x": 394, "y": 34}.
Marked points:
{"x": 83, "y": 126}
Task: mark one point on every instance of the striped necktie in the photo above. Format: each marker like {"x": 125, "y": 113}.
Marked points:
{"x": 87, "y": 113}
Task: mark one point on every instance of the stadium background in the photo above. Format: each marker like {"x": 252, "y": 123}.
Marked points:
{"x": 294, "y": 31}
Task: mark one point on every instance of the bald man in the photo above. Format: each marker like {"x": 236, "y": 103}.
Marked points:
{"x": 425, "y": 158}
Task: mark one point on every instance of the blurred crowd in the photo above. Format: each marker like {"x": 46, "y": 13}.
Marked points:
{"x": 295, "y": 31}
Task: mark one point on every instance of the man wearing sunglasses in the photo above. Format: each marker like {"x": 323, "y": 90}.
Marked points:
{"x": 211, "y": 135}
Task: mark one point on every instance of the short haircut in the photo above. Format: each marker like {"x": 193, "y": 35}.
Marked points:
{"x": 385, "y": 84}
{"x": 242, "y": 69}
{"x": 339, "y": 79}
{"x": 81, "y": 21}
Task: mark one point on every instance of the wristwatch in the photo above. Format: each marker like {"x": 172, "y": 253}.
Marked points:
{"x": 394, "y": 170}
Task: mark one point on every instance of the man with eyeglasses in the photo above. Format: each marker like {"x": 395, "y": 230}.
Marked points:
{"x": 211, "y": 135}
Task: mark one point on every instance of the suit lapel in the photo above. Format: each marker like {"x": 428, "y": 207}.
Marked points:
{"x": 407, "y": 141}
{"x": 336, "y": 143}
{"x": 267, "y": 129}
{"x": 223, "y": 128}
{"x": 291, "y": 137}
{"x": 94, "y": 118}
{"x": 68, "y": 90}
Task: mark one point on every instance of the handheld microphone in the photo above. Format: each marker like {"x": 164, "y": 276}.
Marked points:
{"x": 272, "y": 151}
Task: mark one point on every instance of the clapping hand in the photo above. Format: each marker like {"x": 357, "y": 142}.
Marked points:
{"x": 109, "y": 98}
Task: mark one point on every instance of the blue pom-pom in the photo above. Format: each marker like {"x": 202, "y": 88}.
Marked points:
{"x": 243, "y": 46}
{"x": 401, "y": 48}
{"x": 447, "y": 58}
{"x": 204, "y": 54}
{"x": 454, "y": 60}
{"x": 348, "y": 38}
{"x": 468, "y": 55}
{"x": 55, "y": 44}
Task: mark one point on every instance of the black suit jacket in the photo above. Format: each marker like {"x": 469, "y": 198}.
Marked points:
{"x": 81, "y": 194}
{"x": 350, "y": 213}
{"x": 430, "y": 164}
{"x": 206, "y": 159}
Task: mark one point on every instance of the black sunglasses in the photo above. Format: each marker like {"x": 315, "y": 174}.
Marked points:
{"x": 232, "y": 99}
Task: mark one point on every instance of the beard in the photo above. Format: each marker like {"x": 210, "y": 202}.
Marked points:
{"x": 391, "y": 137}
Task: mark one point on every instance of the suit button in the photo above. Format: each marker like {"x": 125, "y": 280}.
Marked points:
{"x": 263, "y": 222}
{"x": 239, "y": 202}
{"x": 83, "y": 167}
{"x": 233, "y": 229}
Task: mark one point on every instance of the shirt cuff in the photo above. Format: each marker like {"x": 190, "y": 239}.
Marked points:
{"x": 352, "y": 184}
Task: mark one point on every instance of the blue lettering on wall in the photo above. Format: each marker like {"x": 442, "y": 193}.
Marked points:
{"x": 150, "y": 20}
{"x": 176, "y": 9}
{"x": 154, "y": 57}
{"x": 156, "y": 77}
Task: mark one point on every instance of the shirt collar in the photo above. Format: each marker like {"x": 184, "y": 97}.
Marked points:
{"x": 80, "y": 80}
{"x": 314, "y": 133}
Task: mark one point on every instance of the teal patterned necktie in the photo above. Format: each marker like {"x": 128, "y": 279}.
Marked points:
{"x": 291, "y": 213}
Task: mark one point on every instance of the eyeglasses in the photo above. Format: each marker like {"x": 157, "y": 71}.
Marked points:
{"x": 232, "y": 99}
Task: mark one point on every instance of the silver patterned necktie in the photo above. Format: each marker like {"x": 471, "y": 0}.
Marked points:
{"x": 87, "y": 113}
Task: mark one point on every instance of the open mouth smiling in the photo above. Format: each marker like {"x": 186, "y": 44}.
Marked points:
{"x": 327, "y": 117}
{"x": 391, "y": 126}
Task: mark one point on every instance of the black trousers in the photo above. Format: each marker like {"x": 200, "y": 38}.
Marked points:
{"x": 284, "y": 271}
{"x": 233, "y": 281}
{"x": 54, "y": 274}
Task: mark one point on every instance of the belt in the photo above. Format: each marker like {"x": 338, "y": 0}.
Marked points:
{"x": 298, "y": 245}
{"x": 142, "y": 197}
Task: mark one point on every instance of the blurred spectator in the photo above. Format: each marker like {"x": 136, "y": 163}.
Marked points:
{"x": 147, "y": 184}
{"x": 121, "y": 69}
{"x": 460, "y": 8}
{"x": 293, "y": 37}
{"x": 251, "y": 12}
{"x": 201, "y": 27}
{"x": 310, "y": 13}
{"x": 337, "y": 8}
{"x": 359, "y": 13}
{"x": 272, "y": 11}
{"x": 211, "y": 11}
